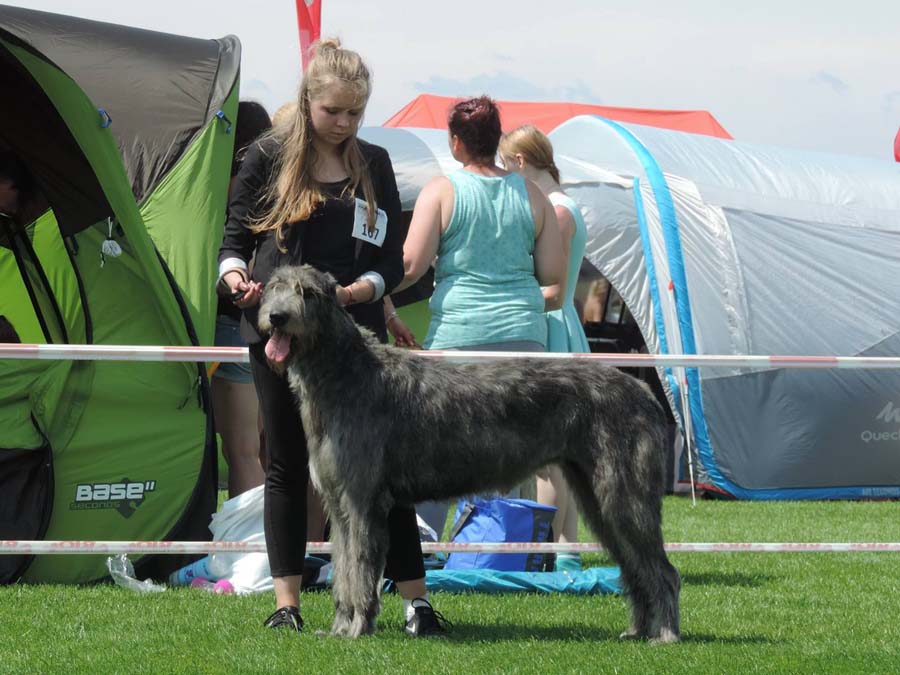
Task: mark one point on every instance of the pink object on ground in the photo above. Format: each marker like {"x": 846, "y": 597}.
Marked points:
{"x": 223, "y": 587}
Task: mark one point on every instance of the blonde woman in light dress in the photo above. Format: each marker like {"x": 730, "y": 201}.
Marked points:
{"x": 529, "y": 152}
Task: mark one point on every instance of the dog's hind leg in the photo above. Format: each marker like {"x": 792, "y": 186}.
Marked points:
{"x": 589, "y": 505}
{"x": 652, "y": 582}
{"x": 626, "y": 518}
{"x": 631, "y": 503}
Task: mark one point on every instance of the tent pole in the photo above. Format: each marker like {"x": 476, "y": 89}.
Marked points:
{"x": 688, "y": 444}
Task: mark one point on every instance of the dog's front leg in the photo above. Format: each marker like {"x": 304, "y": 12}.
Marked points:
{"x": 366, "y": 546}
{"x": 341, "y": 591}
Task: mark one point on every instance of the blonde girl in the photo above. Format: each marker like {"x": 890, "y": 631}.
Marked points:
{"x": 313, "y": 193}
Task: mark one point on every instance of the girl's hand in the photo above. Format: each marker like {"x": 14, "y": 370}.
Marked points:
{"x": 403, "y": 336}
{"x": 358, "y": 291}
{"x": 243, "y": 293}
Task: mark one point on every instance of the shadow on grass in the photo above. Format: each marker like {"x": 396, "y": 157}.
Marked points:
{"x": 700, "y": 638}
{"x": 726, "y": 579}
{"x": 469, "y": 633}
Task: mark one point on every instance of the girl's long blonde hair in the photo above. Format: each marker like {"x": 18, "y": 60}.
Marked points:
{"x": 294, "y": 194}
{"x": 533, "y": 145}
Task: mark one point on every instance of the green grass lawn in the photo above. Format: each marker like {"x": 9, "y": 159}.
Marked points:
{"x": 741, "y": 612}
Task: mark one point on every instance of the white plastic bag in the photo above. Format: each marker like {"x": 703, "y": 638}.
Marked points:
{"x": 122, "y": 572}
{"x": 241, "y": 519}
{"x": 426, "y": 532}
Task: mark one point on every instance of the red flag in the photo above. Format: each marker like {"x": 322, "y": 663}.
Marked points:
{"x": 897, "y": 147}
{"x": 309, "y": 21}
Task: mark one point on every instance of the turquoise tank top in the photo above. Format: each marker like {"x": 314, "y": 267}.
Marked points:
{"x": 564, "y": 330}
{"x": 485, "y": 288}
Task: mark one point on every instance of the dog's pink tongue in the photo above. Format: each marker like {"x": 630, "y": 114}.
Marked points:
{"x": 278, "y": 347}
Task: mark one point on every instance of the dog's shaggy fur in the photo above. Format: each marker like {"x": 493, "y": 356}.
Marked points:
{"x": 385, "y": 426}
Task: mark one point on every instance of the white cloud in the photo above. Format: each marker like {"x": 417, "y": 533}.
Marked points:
{"x": 830, "y": 80}
{"x": 504, "y": 85}
{"x": 890, "y": 103}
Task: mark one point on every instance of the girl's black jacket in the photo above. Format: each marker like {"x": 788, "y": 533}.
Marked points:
{"x": 334, "y": 216}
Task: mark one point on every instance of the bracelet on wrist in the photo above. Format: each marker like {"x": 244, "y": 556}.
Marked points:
{"x": 349, "y": 295}
{"x": 390, "y": 317}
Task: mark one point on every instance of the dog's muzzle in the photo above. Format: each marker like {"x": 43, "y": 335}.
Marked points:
{"x": 278, "y": 319}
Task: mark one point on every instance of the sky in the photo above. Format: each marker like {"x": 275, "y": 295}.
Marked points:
{"x": 812, "y": 74}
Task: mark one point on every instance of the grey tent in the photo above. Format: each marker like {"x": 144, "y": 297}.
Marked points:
{"x": 724, "y": 247}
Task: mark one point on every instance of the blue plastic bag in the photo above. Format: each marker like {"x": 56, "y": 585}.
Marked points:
{"x": 501, "y": 520}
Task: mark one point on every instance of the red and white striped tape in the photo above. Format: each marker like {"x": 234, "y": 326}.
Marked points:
{"x": 13, "y": 547}
{"x": 123, "y": 353}
{"x": 240, "y": 355}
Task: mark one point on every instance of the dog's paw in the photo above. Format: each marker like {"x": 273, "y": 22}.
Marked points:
{"x": 359, "y": 626}
{"x": 666, "y": 637}
{"x": 631, "y": 634}
{"x": 341, "y": 626}
{"x": 354, "y": 627}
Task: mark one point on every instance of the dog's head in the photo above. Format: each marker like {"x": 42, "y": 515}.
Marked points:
{"x": 297, "y": 304}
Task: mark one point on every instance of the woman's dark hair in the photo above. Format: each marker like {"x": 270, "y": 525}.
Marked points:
{"x": 476, "y": 123}
{"x": 252, "y": 122}
{"x": 14, "y": 170}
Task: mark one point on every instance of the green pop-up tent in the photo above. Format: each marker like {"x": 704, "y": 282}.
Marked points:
{"x": 127, "y": 133}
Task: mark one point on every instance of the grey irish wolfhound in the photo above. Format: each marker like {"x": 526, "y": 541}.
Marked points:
{"x": 385, "y": 426}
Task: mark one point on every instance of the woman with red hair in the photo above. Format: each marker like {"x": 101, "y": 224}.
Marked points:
{"x": 496, "y": 240}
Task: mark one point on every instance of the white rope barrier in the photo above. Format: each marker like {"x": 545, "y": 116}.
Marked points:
{"x": 13, "y": 547}
{"x": 240, "y": 355}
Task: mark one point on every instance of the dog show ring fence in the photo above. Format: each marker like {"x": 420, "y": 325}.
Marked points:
{"x": 28, "y": 548}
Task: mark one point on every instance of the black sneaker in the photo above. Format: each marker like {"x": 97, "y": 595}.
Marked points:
{"x": 426, "y": 622}
{"x": 285, "y": 617}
